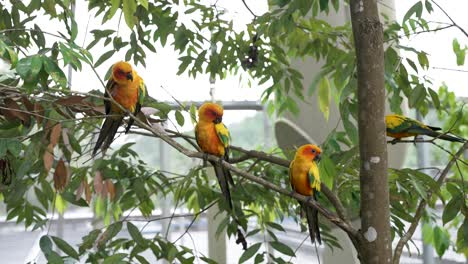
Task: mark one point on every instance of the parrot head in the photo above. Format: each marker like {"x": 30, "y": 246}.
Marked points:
{"x": 122, "y": 72}
{"x": 211, "y": 112}
{"x": 310, "y": 152}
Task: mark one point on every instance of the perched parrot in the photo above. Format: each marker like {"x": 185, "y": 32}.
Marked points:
{"x": 129, "y": 90}
{"x": 399, "y": 126}
{"x": 305, "y": 179}
{"x": 213, "y": 138}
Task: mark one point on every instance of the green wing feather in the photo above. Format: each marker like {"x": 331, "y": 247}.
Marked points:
{"x": 141, "y": 99}
{"x": 141, "y": 92}
{"x": 109, "y": 87}
{"x": 314, "y": 177}
{"x": 223, "y": 134}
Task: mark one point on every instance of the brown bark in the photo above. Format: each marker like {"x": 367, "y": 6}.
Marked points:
{"x": 375, "y": 220}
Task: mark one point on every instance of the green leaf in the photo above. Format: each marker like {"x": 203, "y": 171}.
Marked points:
{"x": 46, "y": 245}
{"x": 435, "y": 98}
{"x": 36, "y": 65}
{"x": 111, "y": 232}
{"x": 89, "y": 240}
{"x": 14, "y": 147}
{"x": 104, "y": 57}
{"x": 427, "y": 233}
{"x": 415, "y": 9}
{"x": 327, "y": 171}
{"x": 441, "y": 241}
{"x": 179, "y": 118}
{"x": 281, "y": 247}
{"x": 428, "y": 5}
{"x": 250, "y": 252}
{"x": 412, "y": 64}
{"x": 144, "y": 3}
{"x": 65, "y": 247}
{"x": 452, "y": 209}
{"x": 115, "y": 259}
{"x": 115, "y": 4}
{"x": 129, "y": 8}
{"x": 54, "y": 258}
{"x": 54, "y": 71}
{"x": 60, "y": 204}
{"x": 423, "y": 60}
{"x": 41, "y": 197}
{"x": 136, "y": 235}
{"x": 260, "y": 258}
{"x": 459, "y": 52}
{"x": 324, "y": 97}
{"x": 193, "y": 113}
{"x": 23, "y": 68}
{"x": 276, "y": 226}
{"x": 417, "y": 96}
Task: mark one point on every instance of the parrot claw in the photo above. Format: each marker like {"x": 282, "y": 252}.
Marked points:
{"x": 292, "y": 193}
{"x": 394, "y": 141}
{"x": 309, "y": 199}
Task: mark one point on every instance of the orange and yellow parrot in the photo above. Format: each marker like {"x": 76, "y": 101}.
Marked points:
{"x": 399, "y": 126}
{"x": 305, "y": 179}
{"x": 129, "y": 90}
{"x": 213, "y": 138}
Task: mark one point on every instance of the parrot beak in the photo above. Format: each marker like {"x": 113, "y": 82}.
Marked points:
{"x": 218, "y": 120}
{"x": 317, "y": 158}
{"x": 130, "y": 76}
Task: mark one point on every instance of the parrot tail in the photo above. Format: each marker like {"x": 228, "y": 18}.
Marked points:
{"x": 223, "y": 179}
{"x": 444, "y": 136}
{"x": 107, "y": 133}
{"x": 312, "y": 221}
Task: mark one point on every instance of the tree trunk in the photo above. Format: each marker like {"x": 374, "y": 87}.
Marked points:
{"x": 375, "y": 220}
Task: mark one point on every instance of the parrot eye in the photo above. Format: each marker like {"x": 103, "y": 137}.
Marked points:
{"x": 313, "y": 150}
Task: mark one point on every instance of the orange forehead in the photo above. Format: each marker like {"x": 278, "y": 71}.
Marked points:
{"x": 310, "y": 149}
{"x": 210, "y": 108}
{"x": 122, "y": 66}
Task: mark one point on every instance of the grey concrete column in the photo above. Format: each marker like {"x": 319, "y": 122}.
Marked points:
{"x": 216, "y": 245}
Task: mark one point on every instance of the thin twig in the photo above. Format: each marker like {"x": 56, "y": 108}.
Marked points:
{"x": 448, "y": 16}
{"x": 248, "y": 8}
{"x": 422, "y": 204}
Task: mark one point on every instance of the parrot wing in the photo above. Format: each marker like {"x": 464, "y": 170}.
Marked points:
{"x": 109, "y": 87}
{"x": 400, "y": 124}
{"x": 314, "y": 177}
{"x": 141, "y": 99}
{"x": 223, "y": 134}
{"x": 225, "y": 138}
{"x": 110, "y": 125}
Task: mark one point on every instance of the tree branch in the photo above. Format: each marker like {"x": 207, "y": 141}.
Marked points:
{"x": 422, "y": 204}
{"x": 248, "y": 8}
{"x": 447, "y": 15}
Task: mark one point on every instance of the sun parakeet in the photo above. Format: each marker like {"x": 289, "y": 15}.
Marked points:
{"x": 213, "y": 138}
{"x": 305, "y": 179}
{"x": 129, "y": 90}
{"x": 399, "y": 126}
